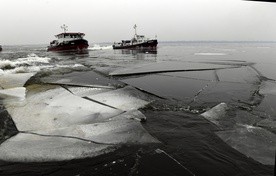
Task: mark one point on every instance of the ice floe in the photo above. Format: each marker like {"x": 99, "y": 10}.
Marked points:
{"x": 14, "y": 80}
{"x": 35, "y": 148}
{"x": 239, "y": 75}
{"x": 255, "y": 142}
{"x": 17, "y": 92}
{"x": 54, "y": 107}
{"x": 126, "y": 98}
{"x": 56, "y": 124}
{"x": 76, "y": 141}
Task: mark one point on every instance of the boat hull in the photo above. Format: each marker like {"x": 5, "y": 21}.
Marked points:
{"x": 144, "y": 45}
{"x": 75, "y": 45}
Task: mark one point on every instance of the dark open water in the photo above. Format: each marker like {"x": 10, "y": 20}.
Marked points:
{"x": 184, "y": 79}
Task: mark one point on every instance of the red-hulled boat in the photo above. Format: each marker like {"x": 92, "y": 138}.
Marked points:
{"x": 68, "y": 41}
{"x": 137, "y": 42}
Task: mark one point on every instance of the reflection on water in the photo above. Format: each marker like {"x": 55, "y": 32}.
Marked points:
{"x": 138, "y": 53}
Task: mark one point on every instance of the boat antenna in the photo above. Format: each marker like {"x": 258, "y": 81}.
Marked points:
{"x": 64, "y": 27}
{"x": 135, "y": 26}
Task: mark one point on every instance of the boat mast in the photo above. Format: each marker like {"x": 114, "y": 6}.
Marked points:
{"x": 135, "y": 26}
{"x": 64, "y": 27}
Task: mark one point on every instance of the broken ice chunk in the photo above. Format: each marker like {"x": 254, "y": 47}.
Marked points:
{"x": 14, "y": 80}
{"x": 217, "y": 112}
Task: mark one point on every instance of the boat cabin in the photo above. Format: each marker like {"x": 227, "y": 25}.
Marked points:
{"x": 70, "y": 35}
{"x": 138, "y": 39}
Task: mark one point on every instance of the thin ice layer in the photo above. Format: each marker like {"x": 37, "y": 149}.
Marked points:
{"x": 90, "y": 79}
{"x": 228, "y": 92}
{"x": 162, "y": 67}
{"x": 239, "y": 75}
{"x": 254, "y": 142}
{"x": 267, "y": 70}
{"x": 182, "y": 89}
{"x": 127, "y": 98}
{"x": 268, "y": 87}
{"x": 209, "y": 75}
{"x": 55, "y": 107}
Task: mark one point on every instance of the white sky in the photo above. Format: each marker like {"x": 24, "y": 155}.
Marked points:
{"x": 37, "y": 21}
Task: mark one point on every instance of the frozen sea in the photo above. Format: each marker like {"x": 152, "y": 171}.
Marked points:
{"x": 186, "y": 108}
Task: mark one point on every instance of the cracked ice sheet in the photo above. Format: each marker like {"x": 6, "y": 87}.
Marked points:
{"x": 127, "y": 98}
{"x": 225, "y": 92}
{"x": 167, "y": 87}
{"x": 267, "y": 70}
{"x": 222, "y": 116}
{"x": 235, "y": 75}
{"x": 110, "y": 135}
{"x": 267, "y": 109}
{"x": 161, "y": 67}
{"x": 209, "y": 75}
{"x": 87, "y": 79}
{"x": 14, "y": 80}
{"x": 86, "y": 91}
{"x": 34, "y": 148}
{"x": 268, "y": 87}
{"x": 239, "y": 75}
{"x": 254, "y": 142}
{"x": 50, "y": 107}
